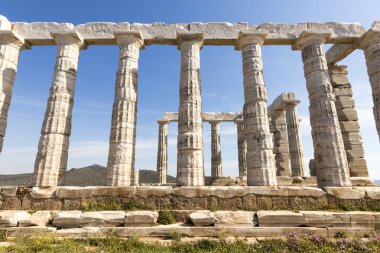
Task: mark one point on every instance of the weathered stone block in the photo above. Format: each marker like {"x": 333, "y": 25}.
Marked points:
{"x": 8, "y": 190}
{"x": 362, "y": 219}
{"x": 43, "y": 192}
{"x": 140, "y": 219}
{"x": 280, "y": 219}
{"x": 345, "y": 192}
{"x": 234, "y": 219}
{"x": 225, "y": 33}
{"x": 102, "y": 218}
{"x": 39, "y": 218}
{"x": 11, "y": 218}
{"x": 203, "y": 218}
{"x": 68, "y": 219}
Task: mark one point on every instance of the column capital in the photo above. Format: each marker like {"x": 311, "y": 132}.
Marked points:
{"x": 292, "y": 103}
{"x": 250, "y": 37}
{"x": 310, "y": 37}
{"x": 214, "y": 122}
{"x": 368, "y": 38}
{"x": 195, "y": 38}
{"x": 129, "y": 37}
{"x": 11, "y": 37}
{"x": 163, "y": 121}
{"x": 68, "y": 38}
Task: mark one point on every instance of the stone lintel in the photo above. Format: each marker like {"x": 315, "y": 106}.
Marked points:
{"x": 309, "y": 37}
{"x": 280, "y": 103}
{"x": 129, "y": 37}
{"x": 206, "y": 116}
{"x": 68, "y": 37}
{"x": 215, "y": 33}
{"x": 338, "y": 52}
{"x": 250, "y": 37}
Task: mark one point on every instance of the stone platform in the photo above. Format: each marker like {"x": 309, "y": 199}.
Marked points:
{"x": 77, "y": 224}
{"x": 249, "y": 198}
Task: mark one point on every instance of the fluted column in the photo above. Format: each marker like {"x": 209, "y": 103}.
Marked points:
{"x": 280, "y": 143}
{"x": 348, "y": 120}
{"x": 261, "y": 168}
{"x": 190, "y": 165}
{"x": 10, "y": 45}
{"x": 242, "y": 148}
{"x": 297, "y": 160}
{"x": 51, "y": 160}
{"x": 330, "y": 157}
{"x": 121, "y": 155}
{"x": 216, "y": 151}
{"x": 162, "y": 151}
{"x": 371, "y": 45}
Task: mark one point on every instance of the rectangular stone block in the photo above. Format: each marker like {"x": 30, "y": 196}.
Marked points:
{"x": 347, "y": 114}
{"x": 362, "y": 219}
{"x": 68, "y": 219}
{"x": 280, "y": 219}
{"x": 234, "y": 219}
{"x": 349, "y": 126}
{"x": 140, "y": 219}
{"x": 223, "y": 32}
{"x": 103, "y": 218}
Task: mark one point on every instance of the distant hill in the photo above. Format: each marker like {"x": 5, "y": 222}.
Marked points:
{"x": 87, "y": 176}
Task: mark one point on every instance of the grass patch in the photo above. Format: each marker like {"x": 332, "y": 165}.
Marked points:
{"x": 113, "y": 243}
{"x": 113, "y": 205}
{"x": 166, "y": 217}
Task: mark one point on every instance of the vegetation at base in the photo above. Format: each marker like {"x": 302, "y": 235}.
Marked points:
{"x": 113, "y": 205}
{"x": 113, "y": 243}
{"x": 166, "y": 217}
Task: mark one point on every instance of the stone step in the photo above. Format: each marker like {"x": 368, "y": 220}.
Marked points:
{"x": 187, "y": 231}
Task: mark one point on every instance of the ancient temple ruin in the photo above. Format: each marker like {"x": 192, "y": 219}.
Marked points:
{"x": 269, "y": 139}
{"x": 272, "y": 169}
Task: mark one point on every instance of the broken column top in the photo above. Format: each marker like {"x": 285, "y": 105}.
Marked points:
{"x": 280, "y": 103}
{"x": 214, "y": 33}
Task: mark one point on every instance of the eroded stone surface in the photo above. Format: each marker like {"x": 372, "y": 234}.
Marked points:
{"x": 279, "y": 219}
{"x": 68, "y": 219}
{"x": 102, "y": 219}
{"x": 141, "y": 219}
{"x": 39, "y": 218}
{"x": 12, "y": 218}
{"x": 234, "y": 219}
{"x": 203, "y": 218}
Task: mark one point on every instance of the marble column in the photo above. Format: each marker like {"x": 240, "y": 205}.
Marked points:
{"x": 280, "y": 143}
{"x": 242, "y": 148}
{"x": 371, "y": 45}
{"x": 10, "y": 45}
{"x": 162, "y": 151}
{"x": 348, "y": 120}
{"x": 330, "y": 156}
{"x": 297, "y": 159}
{"x": 51, "y": 160}
{"x": 216, "y": 151}
{"x": 261, "y": 168}
{"x": 190, "y": 164}
{"x": 121, "y": 155}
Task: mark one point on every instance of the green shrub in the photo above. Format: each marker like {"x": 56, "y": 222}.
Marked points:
{"x": 166, "y": 217}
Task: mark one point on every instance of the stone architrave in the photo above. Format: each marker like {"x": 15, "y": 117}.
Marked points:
{"x": 162, "y": 151}
{"x": 51, "y": 161}
{"x": 121, "y": 156}
{"x": 190, "y": 164}
{"x": 330, "y": 156}
{"x": 242, "y": 148}
{"x": 297, "y": 160}
{"x": 216, "y": 152}
{"x": 261, "y": 169}
{"x": 10, "y": 45}
{"x": 348, "y": 120}
{"x": 280, "y": 143}
{"x": 371, "y": 45}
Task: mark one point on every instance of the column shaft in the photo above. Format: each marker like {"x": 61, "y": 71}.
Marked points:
{"x": 162, "y": 152}
{"x": 372, "y": 56}
{"x": 261, "y": 168}
{"x": 51, "y": 160}
{"x": 348, "y": 120}
{"x": 216, "y": 152}
{"x": 242, "y": 150}
{"x": 10, "y": 45}
{"x": 297, "y": 160}
{"x": 121, "y": 155}
{"x": 280, "y": 143}
{"x": 330, "y": 157}
{"x": 190, "y": 165}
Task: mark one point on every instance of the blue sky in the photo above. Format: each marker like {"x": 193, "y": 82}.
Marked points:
{"x": 221, "y": 75}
